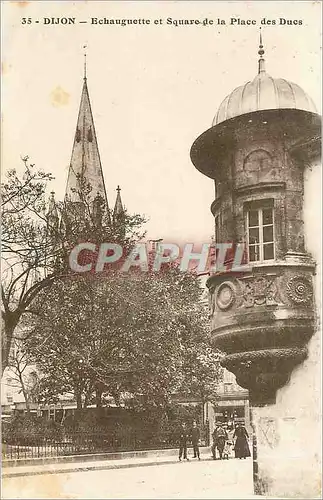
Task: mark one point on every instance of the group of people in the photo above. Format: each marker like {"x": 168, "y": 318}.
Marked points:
{"x": 185, "y": 436}
{"x": 225, "y": 439}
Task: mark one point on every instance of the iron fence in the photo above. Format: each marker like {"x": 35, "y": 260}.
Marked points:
{"x": 79, "y": 443}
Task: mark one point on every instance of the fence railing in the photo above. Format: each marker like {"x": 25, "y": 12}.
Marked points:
{"x": 79, "y": 443}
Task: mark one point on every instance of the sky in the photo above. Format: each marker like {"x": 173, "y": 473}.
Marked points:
{"x": 153, "y": 88}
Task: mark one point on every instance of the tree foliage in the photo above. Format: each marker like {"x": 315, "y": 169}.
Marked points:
{"x": 36, "y": 243}
{"x": 136, "y": 337}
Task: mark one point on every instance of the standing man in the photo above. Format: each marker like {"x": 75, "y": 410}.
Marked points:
{"x": 183, "y": 438}
{"x": 214, "y": 439}
{"x": 195, "y": 440}
{"x": 221, "y": 438}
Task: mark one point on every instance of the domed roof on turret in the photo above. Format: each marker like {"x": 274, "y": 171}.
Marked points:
{"x": 264, "y": 92}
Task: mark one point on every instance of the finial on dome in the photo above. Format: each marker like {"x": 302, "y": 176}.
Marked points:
{"x": 261, "y": 60}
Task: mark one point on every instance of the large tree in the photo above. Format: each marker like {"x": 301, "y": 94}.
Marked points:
{"x": 25, "y": 247}
{"x": 36, "y": 241}
{"x": 129, "y": 336}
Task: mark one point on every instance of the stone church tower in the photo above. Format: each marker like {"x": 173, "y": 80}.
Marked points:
{"x": 85, "y": 189}
{"x": 85, "y": 165}
{"x": 265, "y": 136}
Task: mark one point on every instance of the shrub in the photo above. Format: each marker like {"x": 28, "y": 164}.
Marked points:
{"x": 30, "y": 430}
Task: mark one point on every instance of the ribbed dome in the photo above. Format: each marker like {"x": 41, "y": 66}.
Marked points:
{"x": 264, "y": 92}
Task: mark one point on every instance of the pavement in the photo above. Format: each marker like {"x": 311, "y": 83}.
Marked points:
{"x": 44, "y": 465}
{"x": 61, "y": 467}
{"x": 135, "y": 478}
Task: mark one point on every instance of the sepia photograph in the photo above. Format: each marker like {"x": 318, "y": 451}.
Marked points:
{"x": 161, "y": 241}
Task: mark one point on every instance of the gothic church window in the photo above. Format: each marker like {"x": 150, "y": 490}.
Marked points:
{"x": 78, "y": 135}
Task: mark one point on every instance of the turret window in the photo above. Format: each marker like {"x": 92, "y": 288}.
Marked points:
{"x": 260, "y": 234}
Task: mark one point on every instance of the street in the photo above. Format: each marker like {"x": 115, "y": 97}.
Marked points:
{"x": 204, "y": 479}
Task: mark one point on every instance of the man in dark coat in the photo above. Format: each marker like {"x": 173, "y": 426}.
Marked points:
{"x": 183, "y": 438}
{"x": 214, "y": 438}
{"x": 195, "y": 440}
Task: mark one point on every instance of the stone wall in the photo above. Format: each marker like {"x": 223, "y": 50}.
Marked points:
{"x": 289, "y": 432}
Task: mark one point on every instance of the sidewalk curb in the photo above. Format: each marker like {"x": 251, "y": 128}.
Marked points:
{"x": 93, "y": 457}
{"x": 84, "y": 468}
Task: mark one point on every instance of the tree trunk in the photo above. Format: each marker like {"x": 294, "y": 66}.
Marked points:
{"x": 78, "y": 395}
{"x": 24, "y": 391}
{"x": 117, "y": 399}
{"x": 203, "y": 411}
{"x": 11, "y": 319}
{"x": 98, "y": 398}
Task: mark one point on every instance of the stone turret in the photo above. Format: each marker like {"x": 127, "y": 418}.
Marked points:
{"x": 264, "y": 136}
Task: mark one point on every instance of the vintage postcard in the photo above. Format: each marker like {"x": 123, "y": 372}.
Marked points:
{"x": 161, "y": 249}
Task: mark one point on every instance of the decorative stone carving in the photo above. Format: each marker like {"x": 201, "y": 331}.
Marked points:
{"x": 225, "y": 295}
{"x": 265, "y": 370}
{"x": 300, "y": 290}
{"x": 271, "y": 319}
{"x": 259, "y": 159}
{"x": 259, "y": 291}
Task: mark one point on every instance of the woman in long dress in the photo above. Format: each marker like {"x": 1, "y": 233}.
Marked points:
{"x": 241, "y": 447}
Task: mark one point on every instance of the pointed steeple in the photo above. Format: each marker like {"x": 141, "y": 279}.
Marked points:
{"x": 118, "y": 207}
{"x": 52, "y": 215}
{"x": 85, "y": 177}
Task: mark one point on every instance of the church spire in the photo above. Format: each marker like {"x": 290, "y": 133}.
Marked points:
{"x": 52, "y": 215}
{"x": 261, "y": 60}
{"x": 118, "y": 207}
{"x": 85, "y": 177}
